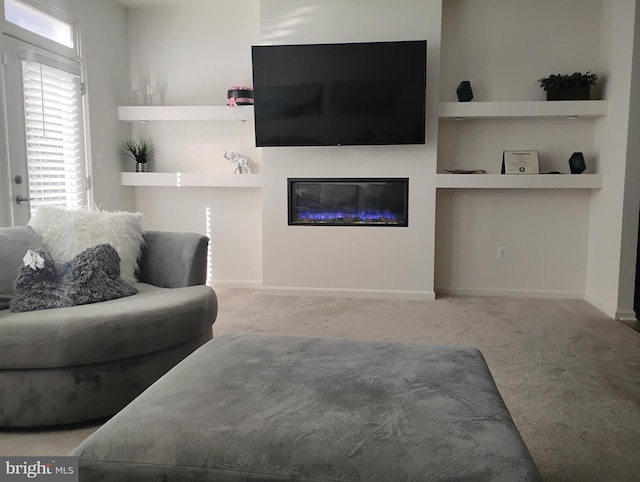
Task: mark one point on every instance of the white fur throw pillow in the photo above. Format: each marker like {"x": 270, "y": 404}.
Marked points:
{"x": 65, "y": 234}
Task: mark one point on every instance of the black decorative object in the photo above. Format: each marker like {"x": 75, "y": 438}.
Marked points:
{"x": 579, "y": 93}
{"x": 576, "y": 163}
{"x": 465, "y": 94}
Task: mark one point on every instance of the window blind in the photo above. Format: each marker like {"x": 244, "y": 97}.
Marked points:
{"x": 54, "y": 134}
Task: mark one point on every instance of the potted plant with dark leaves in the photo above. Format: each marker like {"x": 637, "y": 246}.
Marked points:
{"x": 141, "y": 152}
{"x": 576, "y": 86}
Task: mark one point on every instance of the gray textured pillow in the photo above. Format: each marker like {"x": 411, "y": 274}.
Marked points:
{"x": 90, "y": 277}
{"x": 14, "y": 242}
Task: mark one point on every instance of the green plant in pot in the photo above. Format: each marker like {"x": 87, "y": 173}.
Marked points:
{"x": 576, "y": 86}
{"x": 141, "y": 152}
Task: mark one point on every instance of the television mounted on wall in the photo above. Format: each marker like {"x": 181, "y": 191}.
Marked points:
{"x": 340, "y": 94}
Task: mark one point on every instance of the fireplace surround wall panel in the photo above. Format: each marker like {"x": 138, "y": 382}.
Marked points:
{"x": 348, "y": 202}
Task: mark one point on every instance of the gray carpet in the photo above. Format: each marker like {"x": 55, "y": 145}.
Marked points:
{"x": 569, "y": 375}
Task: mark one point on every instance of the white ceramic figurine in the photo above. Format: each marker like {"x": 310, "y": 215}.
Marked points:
{"x": 241, "y": 163}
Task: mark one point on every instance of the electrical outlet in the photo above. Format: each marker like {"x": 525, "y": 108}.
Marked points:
{"x": 99, "y": 161}
{"x": 502, "y": 253}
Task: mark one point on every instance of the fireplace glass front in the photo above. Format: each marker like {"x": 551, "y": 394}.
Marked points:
{"x": 348, "y": 202}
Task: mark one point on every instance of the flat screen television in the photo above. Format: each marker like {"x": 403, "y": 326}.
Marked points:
{"x": 369, "y": 93}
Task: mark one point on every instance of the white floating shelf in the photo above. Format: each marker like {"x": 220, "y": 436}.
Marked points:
{"x": 190, "y": 179}
{"x": 530, "y": 109}
{"x": 519, "y": 181}
{"x": 148, "y": 113}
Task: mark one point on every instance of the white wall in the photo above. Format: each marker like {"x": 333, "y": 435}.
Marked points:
{"x": 353, "y": 260}
{"x": 606, "y": 214}
{"x": 192, "y": 55}
{"x": 104, "y": 50}
{"x": 503, "y": 47}
{"x": 561, "y": 242}
{"x": 545, "y": 233}
{"x": 631, "y": 190}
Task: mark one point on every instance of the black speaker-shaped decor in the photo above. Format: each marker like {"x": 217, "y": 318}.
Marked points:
{"x": 576, "y": 163}
{"x": 465, "y": 94}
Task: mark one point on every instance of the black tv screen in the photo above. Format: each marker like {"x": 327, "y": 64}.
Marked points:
{"x": 370, "y": 93}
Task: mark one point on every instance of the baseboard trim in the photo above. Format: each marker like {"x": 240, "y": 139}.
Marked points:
{"x": 626, "y": 315}
{"x": 350, "y": 293}
{"x": 240, "y": 284}
{"x": 513, "y": 293}
{"x": 607, "y": 310}
{"x": 623, "y": 315}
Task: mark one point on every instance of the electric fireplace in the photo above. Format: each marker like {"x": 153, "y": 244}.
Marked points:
{"x": 348, "y": 202}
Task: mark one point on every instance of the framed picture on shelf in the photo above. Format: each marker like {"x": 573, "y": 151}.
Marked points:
{"x": 520, "y": 162}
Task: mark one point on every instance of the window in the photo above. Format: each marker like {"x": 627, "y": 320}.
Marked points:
{"x": 39, "y": 22}
{"x": 54, "y": 132}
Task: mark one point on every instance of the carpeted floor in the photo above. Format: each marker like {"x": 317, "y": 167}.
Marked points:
{"x": 569, "y": 375}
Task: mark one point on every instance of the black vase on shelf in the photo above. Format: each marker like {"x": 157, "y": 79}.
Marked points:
{"x": 464, "y": 92}
{"x": 576, "y": 163}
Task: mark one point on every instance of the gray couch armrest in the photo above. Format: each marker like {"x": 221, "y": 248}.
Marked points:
{"x": 173, "y": 260}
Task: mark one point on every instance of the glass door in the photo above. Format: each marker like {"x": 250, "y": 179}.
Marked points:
{"x": 47, "y": 162}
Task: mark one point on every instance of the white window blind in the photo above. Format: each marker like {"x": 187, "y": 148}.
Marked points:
{"x": 54, "y": 132}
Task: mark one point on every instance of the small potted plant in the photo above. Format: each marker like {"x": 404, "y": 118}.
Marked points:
{"x": 140, "y": 151}
{"x": 576, "y": 86}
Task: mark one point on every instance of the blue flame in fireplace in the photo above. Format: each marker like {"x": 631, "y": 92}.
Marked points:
{"x": 343, "y": 217}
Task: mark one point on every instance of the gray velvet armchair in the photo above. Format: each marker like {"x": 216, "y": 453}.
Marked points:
{"x": 68, "y": 365}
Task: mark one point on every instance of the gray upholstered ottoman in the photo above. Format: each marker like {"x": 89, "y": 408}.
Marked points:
{"x": 268, "y": 407}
